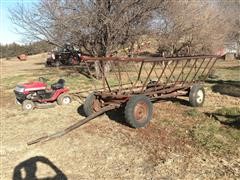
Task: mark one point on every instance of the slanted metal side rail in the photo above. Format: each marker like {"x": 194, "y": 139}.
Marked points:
{"x": 177, "y": 73}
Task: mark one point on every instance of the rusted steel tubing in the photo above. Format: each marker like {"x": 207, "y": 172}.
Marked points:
{"x": 210, "y": 69}
{"x": 197, "y": 71}
{"x": 115, "y": 73}
{"x": 149, "y": 74}
{"x": 72, "y": 127}
{"x": 165, "y": 66}
{"x": 120, "y": 77}
{"x": 140, "y": 71}
{"x": 171, "y": 73}
{"x": 181, "y": 72}
{"x": 190, "y": 71}
{"x": 152, "y": 59}
{"x": 104, "y": 77}
{"x": 206, "y": 67}
{"x": 164, "y": 91}
{"x": 128, "y": 77}
{"x": 87, "y": 90}
{"x": 174, "y": 94}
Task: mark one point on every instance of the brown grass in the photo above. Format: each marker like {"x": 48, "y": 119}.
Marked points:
{"x": 180, "y": 143}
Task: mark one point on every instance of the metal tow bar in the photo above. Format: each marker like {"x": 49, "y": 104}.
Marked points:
{"x": 72, "y": 127}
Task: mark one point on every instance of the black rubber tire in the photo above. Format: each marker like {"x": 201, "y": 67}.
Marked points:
{"x": 60, "y": 99}
{"x": 195, "y": 99}
{"x": 129, "y": 111}
{"x": 17, "y": 102}
{"x": 88, "y": 104}
{"x": 28, "y": 105}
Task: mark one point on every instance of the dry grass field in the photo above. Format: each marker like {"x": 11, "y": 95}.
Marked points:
{"x": 181, "y": 142}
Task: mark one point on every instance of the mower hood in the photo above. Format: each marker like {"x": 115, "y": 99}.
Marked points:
{"x": 33, "y": 86}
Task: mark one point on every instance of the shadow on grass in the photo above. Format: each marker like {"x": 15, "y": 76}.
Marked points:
{"x": 115, "y": 114}
{"x": 226, "y": 119}
{"x": 179, "y": 101}
{"x": 40, "y": 63}
{"x": 80, "y": 110}
{"x": 30, "y": 169}
{"x": 231, "y": 88}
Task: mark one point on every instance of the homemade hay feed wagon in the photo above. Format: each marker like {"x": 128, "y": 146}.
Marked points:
{"x": 134, "y": 83}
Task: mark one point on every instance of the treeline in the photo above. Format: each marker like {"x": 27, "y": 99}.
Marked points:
{"x": 14, "y": 49}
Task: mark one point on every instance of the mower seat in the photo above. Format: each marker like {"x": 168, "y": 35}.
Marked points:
{"x": 58, "y": 85}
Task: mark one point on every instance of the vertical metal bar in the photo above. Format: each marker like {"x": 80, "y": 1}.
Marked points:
{"x": 189, "y": 71}
{"x": 205, "y": 67}
{"x": 120, "y": 77}
{"x": 148, "y": 76}
{"x": 114, "y": 71}
{"x": 104, "y": 79}
{"x": 197, "y": 70}
{"x": 139, "y": 77}
{"x": 171, "y": 73}
{"x": 140, "y": 71}
{"x": 161, "y": 73}
{"x": 183, "y": 67}
{"x": 210, "y": 69}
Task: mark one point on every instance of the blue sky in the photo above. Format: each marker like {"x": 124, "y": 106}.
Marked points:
{"x": 7, "y": 34}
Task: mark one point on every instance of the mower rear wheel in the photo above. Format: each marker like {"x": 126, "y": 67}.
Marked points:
{"x": 138, "y": 111}
{"x": 64, "y": 99}
{"x": 28, "y": 105}
{"x": 91, "y": 104}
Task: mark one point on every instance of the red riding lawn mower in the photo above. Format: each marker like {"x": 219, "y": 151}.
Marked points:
{"x": 36, "y": 94}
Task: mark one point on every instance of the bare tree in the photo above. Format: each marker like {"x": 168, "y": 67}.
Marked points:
{"x": 231, "y": 10}
{"x": 190, "y": 27}
{"x": 97, "y": 26}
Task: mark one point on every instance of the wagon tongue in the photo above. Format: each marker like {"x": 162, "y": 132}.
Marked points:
{"x": 72, "y": 127}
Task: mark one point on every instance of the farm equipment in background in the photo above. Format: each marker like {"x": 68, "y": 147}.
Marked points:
{"x": 22, "y": 57}
{"x": 133, "y": 84}
{"x": 65, "y": 56}
{"x": 36, "y": 94}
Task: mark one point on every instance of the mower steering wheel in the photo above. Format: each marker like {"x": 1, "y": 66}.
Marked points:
{"x": 42, "y": 79}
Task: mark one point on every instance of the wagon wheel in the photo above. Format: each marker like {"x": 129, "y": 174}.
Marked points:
{"x": 196, "y": 95}
{"x": 138, "y": 111}
{"x": 91, "y": 104}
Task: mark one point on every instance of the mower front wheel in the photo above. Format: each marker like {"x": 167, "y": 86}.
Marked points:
{"x": 64, "y": 99}
{"x": 138, "y": 111}
{"x": 28, "y": 105}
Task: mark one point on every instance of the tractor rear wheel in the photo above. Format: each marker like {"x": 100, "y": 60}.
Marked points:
{"x": 28, "y": 105}
{"x": 138, "y": 111}
{"x": 196, "y": 95}
{"x": 64, "y": 99}
{"x": 91, "y": 104}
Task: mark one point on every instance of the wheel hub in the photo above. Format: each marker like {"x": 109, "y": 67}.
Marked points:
{"x": 140, "y": 111}
{"x": 28, "y": 106}
{"x": 200, "y": 96}
{"x": 66, "y": 100}
{"x": 96, "y": 105}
